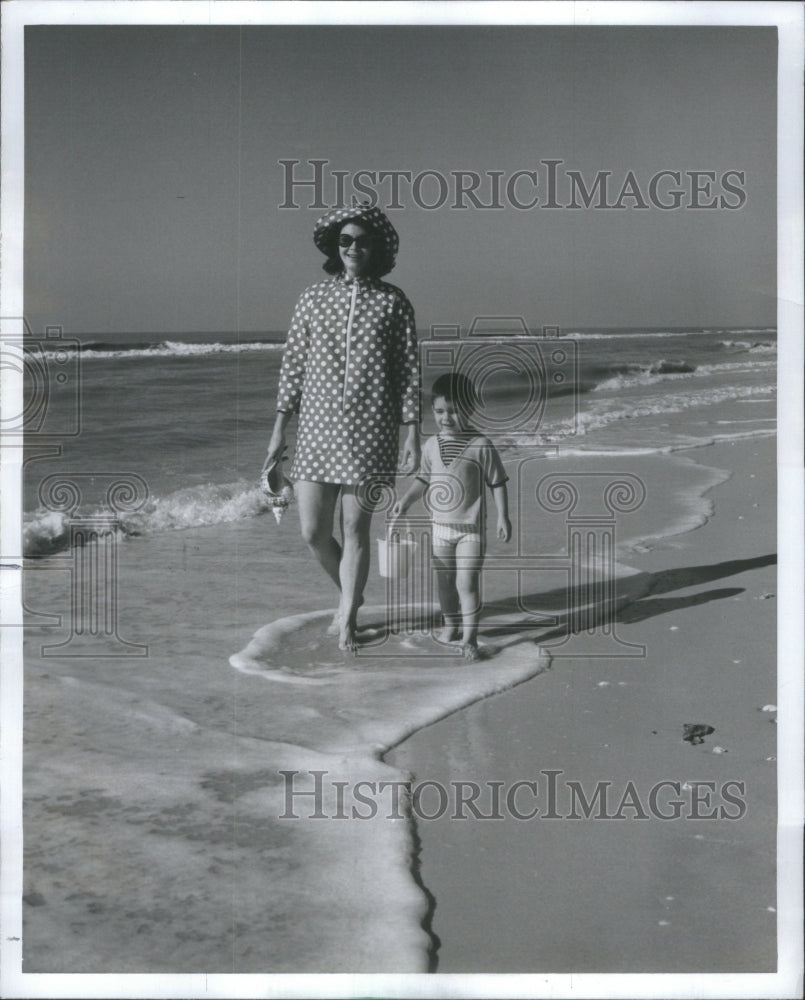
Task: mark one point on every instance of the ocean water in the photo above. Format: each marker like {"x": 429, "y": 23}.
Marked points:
{"x": 239, "y": 680}
{"x": 191, "y": 416}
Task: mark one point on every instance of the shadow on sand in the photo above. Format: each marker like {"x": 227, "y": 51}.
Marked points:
{"x": 634, "y": 600}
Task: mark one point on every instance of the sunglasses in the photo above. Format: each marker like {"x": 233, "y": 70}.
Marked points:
{"x": 361, "y": 242}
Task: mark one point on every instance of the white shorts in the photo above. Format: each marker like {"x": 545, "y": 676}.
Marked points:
{"x": 449, "y": 535}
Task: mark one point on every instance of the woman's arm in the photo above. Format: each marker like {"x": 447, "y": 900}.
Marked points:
{"x": 407, "y": 374}
{"x": 276, "y": 446}
{"x": 294, "y": 359}
{"x": 411, "y": 450}
{"x": 292, "y": 374}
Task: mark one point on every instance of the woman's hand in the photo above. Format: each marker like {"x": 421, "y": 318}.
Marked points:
{"x": 274, "y": 453}
{"x": 411, "y": 451}
{"x": 276, "y": 446}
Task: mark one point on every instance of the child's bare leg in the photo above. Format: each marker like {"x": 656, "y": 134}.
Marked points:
{"x": 469, "y": 559}
{"x": 444, "y": 560}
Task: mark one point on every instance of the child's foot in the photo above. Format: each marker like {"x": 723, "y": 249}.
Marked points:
{"x": 470, "y": 652}
{"x": 448, "y": 633}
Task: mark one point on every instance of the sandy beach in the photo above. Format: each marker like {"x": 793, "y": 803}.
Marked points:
{"x": 629, "y": 894}
{"x": 157, "y": 812}
{"x": 593, "y": 214}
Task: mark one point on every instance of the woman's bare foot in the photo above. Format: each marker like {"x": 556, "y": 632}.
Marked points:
{"x": 346, "y": 638}
{"x": 334, "y": 628}
{"x": 470, "y": 652}
{"x": 448, "y": 633}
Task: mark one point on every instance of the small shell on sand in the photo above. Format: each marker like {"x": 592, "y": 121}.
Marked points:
{"x": 695, "y": 732}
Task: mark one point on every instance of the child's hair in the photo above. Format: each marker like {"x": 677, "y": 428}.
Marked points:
{"x": 455, "y": 388}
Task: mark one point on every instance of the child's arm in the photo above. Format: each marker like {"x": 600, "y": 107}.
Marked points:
{"x": 414, "y": 492}
{"x": 417, "y": 488}
{"x": 501, "y": 497}
{"x": 497, "y": 479}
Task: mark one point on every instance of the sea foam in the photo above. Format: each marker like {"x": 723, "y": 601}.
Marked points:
{"x": 46, "y": 532}
{"x": 168, "y": 349}
{"x": 606, "y": 412}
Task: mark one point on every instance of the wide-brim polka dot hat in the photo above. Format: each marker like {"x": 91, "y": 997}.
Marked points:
{"x": 329, "y": 225}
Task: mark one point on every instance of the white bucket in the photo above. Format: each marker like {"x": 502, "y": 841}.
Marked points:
{"x": 395, "y": 557}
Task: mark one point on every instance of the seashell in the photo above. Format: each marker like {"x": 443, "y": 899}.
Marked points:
{"x": 695, "y": 732}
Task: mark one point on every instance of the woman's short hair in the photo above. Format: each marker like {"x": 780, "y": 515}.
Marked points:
{"x": 380, "y": 262}
{"x": 376, "y": 223}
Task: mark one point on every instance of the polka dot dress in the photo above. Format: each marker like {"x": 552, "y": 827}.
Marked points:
{"x": 352, "y": 384}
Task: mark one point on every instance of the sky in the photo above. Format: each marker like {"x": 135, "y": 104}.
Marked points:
{"x": 153, "y": 181}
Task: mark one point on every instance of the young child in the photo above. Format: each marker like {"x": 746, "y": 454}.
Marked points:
{"x": 458, "y": 464}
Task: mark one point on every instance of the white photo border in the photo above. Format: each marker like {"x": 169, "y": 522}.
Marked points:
{"x": 788, "y": 17}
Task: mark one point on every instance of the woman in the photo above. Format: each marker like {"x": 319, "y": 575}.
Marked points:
{"x": 351, "y": 371}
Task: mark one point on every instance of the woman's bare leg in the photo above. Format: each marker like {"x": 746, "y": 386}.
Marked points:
{"x": 316, "y": 513}
{"x": 354, "y": 570}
